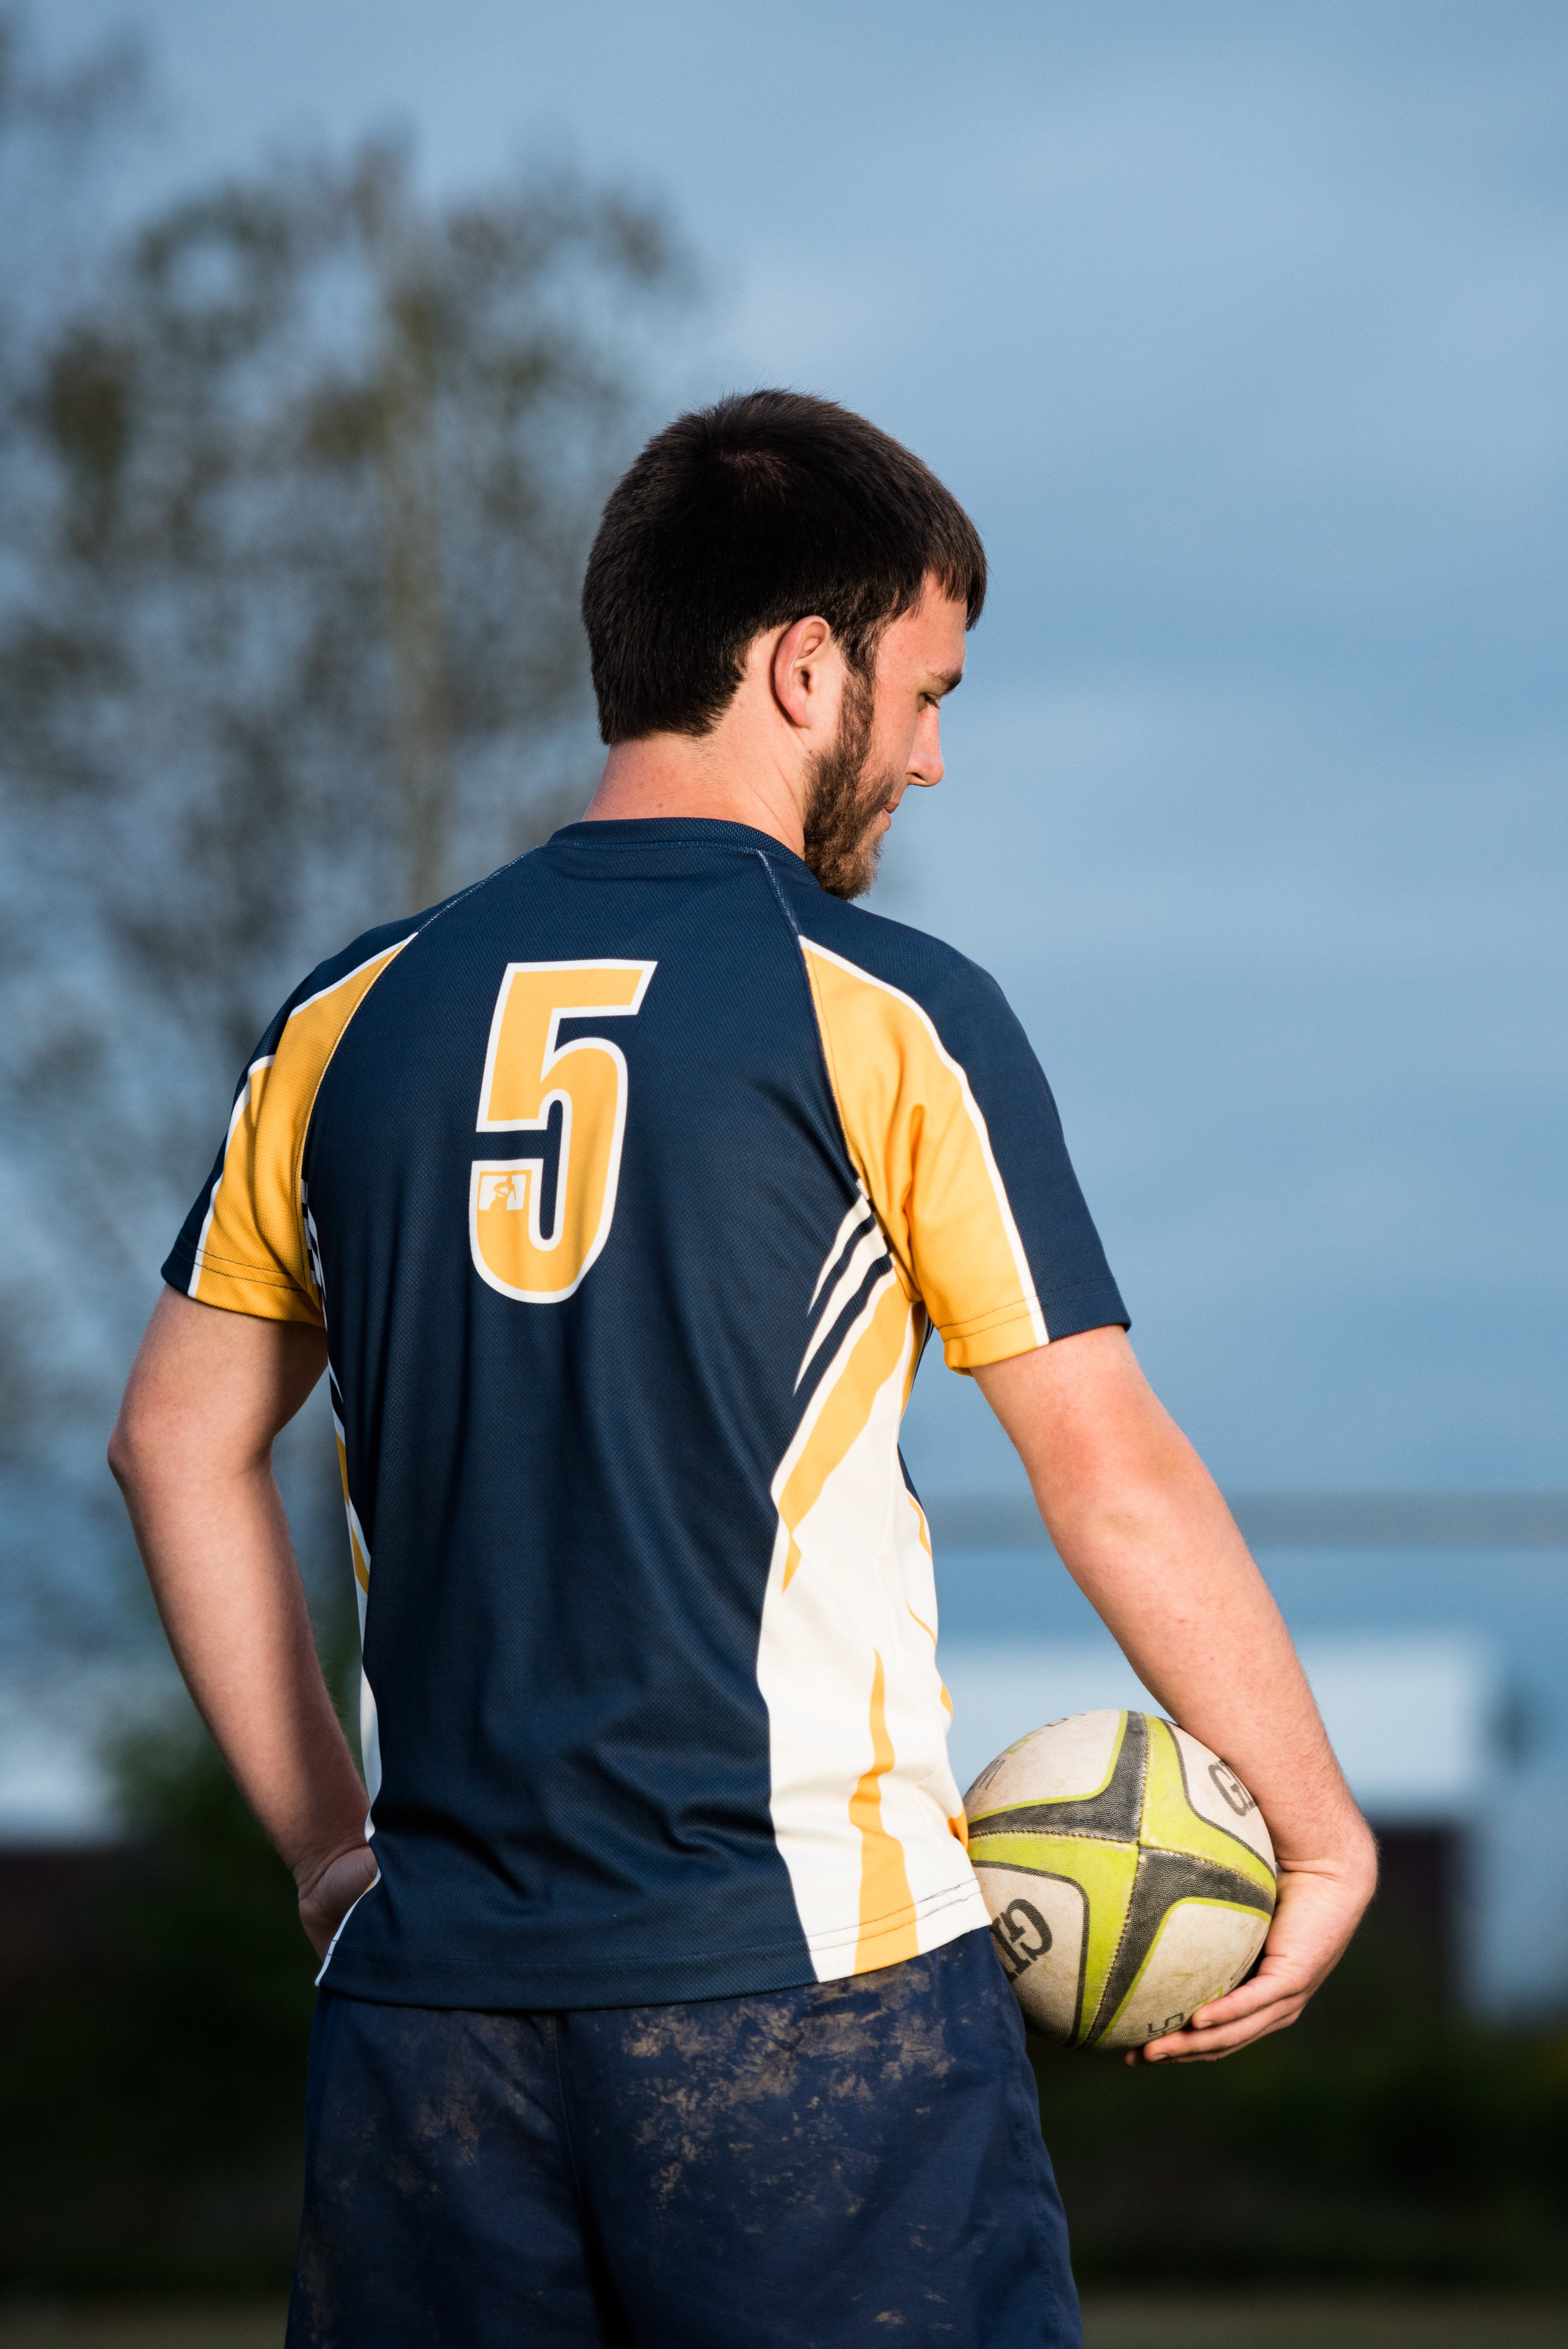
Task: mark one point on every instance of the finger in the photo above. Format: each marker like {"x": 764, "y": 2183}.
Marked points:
{"x": 1291, "y": 1996}
{"x": 1263, "y": 1989}
{"x": 1285, "y": 2004}
{"x": 1278, "y": 1976}
{"x": 1214, "y": 2047}
{"x": 1192, "y": 2046}
{"x": 1261, "y": 1998}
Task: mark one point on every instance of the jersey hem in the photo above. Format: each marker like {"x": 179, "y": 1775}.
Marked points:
{"x": 997, "y": 1342}
{"x": 263, "y": 1296}
{"x": 852, "y": 1941}
{"x": 1001, "y": 1340}
{"x": 564, "y": 1989}
{"x": 569, "y": 1988}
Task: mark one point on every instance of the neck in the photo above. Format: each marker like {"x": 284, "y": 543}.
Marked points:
{"x": 708, "y": 775}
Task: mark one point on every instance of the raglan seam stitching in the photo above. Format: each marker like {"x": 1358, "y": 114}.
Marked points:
{"x": 820, "y": 1030}
{"x": 296, "y": 1172}
{"x": 229, "y": 1266}
{"x": 979, "y": 1324}
{"x": 398, "y": 947}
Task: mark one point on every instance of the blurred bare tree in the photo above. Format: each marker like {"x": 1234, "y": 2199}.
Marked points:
{"x": 296, "y": 482}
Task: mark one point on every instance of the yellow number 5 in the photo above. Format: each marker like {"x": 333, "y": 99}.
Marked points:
{"x": 526, "y": 1073}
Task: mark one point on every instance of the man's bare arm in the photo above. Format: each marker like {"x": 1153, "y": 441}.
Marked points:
{"x": 191, "y": 1452}
{"x": 1141, "y": 1527}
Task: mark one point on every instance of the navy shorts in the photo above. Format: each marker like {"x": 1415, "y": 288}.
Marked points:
{"x": 852, "y": 2162}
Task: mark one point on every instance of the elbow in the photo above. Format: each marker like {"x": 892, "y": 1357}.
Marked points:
{"x": 120, "y": 1456}
{"x": 127, "y": 1453}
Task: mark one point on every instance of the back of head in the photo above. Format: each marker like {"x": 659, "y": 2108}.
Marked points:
{"x": 749, "y": 515}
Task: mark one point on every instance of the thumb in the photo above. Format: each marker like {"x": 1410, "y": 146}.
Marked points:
{"x": 326, "y": 1897}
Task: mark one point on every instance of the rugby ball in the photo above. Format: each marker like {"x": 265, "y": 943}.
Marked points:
{"x": 1129, "y": 1875}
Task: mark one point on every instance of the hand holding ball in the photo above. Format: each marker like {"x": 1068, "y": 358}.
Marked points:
{"x": 1129, "y": 1875}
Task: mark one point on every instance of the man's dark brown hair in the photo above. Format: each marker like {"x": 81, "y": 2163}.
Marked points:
{"x": 749, "y": 515}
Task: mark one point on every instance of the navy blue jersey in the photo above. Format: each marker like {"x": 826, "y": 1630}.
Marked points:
{"x": 628, "y": 1184}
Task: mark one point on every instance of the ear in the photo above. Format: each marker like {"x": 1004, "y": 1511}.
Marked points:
{"x": 808, "y": 675}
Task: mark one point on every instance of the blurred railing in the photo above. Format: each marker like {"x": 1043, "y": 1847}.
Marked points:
{"x": 1432, "y": 1520}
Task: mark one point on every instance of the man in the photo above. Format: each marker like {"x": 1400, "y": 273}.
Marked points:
{"x": 617, "y": 1197}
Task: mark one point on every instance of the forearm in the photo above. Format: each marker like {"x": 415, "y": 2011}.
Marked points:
{"x": 1163, "y": 1565}
{"x": 1144, "y": 1532}
{"x": 222, "y": 1566}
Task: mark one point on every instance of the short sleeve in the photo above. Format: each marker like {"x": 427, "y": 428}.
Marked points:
{"x": 245, "y": 1245}
{"x": 954, "y": 1132}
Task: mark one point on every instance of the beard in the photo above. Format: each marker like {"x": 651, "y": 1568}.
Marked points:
{"x": 843, "y": 801}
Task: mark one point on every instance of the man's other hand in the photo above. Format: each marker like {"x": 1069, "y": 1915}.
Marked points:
{"x": 194, "y": 1453}
{"x": 329, "y": 1890}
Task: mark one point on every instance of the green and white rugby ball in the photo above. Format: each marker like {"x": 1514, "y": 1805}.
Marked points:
{"x": 1129, "y": 1875}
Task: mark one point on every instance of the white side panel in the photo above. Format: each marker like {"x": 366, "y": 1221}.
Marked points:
{"x": 861, "y": 1566}
{"x": 369, "y": 1727}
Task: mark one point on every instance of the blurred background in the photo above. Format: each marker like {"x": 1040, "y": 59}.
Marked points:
{"x": 1242, "y": 332}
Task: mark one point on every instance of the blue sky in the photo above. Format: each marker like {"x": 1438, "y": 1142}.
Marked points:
{"x": 1241, "y": 330}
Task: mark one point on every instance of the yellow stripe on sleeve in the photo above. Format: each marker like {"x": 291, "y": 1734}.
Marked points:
{"x": 920, "y": 1145}
{"x": 251, "y": 1257}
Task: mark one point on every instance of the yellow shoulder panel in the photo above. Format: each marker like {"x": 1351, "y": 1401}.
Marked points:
{"x": 251, "y": 1257}
{"x": 919, "y": 1145}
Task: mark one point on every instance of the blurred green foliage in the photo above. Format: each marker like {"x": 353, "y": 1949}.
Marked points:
{"x": 153, "y": 2076}
{"x": 1382, "y": 2140}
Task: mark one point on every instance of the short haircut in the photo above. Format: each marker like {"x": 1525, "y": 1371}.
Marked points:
{"x": 745, "y": 516}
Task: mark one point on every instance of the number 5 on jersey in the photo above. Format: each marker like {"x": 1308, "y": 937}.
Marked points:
{"x": 527, "y": 1072}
